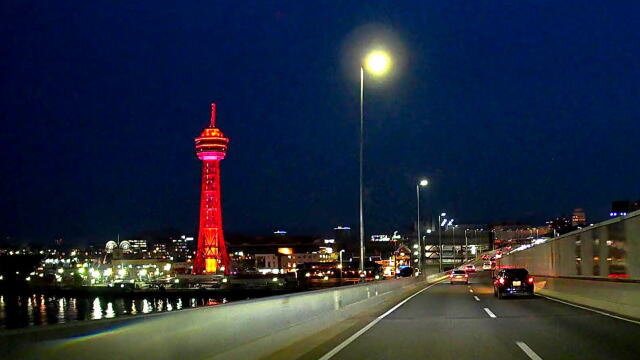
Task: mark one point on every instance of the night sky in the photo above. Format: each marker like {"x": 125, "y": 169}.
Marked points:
{"x": 515, "y": 110}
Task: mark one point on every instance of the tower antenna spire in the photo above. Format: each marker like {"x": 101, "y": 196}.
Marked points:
{"x": 213, "y": 115}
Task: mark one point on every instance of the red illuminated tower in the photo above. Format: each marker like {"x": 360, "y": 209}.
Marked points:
{"x": 211, "y": 147}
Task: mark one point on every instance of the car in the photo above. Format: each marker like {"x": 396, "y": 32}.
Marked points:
{"x": 459, "y": 276}
{"x": 470, "y": 268}
{"x": 486, "y": 265}
{"x": 513, "y": 282}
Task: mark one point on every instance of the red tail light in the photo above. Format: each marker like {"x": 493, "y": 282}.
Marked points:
{"x": 530, "y": 280}
{"x": 450, "y": 276}
{"x": 501, "y": 281}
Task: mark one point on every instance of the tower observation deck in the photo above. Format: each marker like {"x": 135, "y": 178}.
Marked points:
{"x": 211, "y": 147}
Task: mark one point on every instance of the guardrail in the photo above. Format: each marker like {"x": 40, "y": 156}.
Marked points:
{"x": 594, "y": 278}
{"x": 240, "y": 330}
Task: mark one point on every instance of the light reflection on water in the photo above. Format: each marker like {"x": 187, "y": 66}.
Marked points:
{"x": 109, "y": 313}
{"x": 40, "y": 310}
{"x": 97, "y": 310}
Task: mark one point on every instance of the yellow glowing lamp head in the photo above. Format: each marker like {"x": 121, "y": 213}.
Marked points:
{"x": 377, "y": 62}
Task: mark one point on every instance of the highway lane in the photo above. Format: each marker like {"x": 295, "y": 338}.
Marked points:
{"x": 468, "y": 322}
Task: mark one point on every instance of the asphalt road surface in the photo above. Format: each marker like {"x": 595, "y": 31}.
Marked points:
{"x": 467, "y": 322}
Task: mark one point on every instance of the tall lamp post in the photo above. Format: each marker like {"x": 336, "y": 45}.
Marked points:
{"x": 466, "y": 245}
{"x": 422, "y": 183}
{"x": 440, "y": 225}
{"x": 341, "y": 251}
{"x": 376, "y": 63}
{"x": 453, "y": 240}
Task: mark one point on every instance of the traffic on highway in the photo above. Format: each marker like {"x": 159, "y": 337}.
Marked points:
{"x": 486, "y": 319}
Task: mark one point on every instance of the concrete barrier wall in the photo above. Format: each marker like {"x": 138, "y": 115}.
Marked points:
{"x": 620, "y": 297}
{"x": 610, "y": 249}
{"x": 598, "y": 266}
{"x": 246, "y": 329}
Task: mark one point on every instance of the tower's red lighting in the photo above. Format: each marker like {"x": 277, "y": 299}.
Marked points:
{"x": 211, "y": 256}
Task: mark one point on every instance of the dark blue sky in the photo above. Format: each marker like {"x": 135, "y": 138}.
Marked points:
{"x": 516, "y": 110}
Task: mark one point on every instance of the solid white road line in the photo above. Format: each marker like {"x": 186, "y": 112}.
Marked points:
{"x": 477, "y": 298}
{"x": 593, "y": 310}
{"x": 345, "y": 343}
{"x": 489, "y": 312}
{"x": 527, "y": 350}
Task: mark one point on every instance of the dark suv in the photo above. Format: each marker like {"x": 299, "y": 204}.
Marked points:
{"x": 508, "y": 282}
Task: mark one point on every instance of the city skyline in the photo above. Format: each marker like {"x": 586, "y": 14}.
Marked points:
{"x": 505, "y": 129}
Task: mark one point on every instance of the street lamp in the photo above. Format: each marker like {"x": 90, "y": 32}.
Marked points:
{"x": 466, "y": 244}
{"x": 440, "y": 217}
{"x": 341, "y": 251}
{"x": 453, "y": 241}
{"x": 377, "y": 63}
{"x": 421, "y": 183}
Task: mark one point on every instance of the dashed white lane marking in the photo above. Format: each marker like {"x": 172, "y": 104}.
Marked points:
{"x": 593, "y": 310}
{"x": 345, "y": 343}
{"x": 490, "y": 313}
{"x": 527, "y": 350}
{"x": 477, "y": 298}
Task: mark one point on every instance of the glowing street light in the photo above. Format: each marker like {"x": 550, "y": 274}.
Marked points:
{"x": 377, "y": 63}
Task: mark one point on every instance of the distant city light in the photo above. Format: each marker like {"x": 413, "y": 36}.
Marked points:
{"x": 342, "y": 228}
